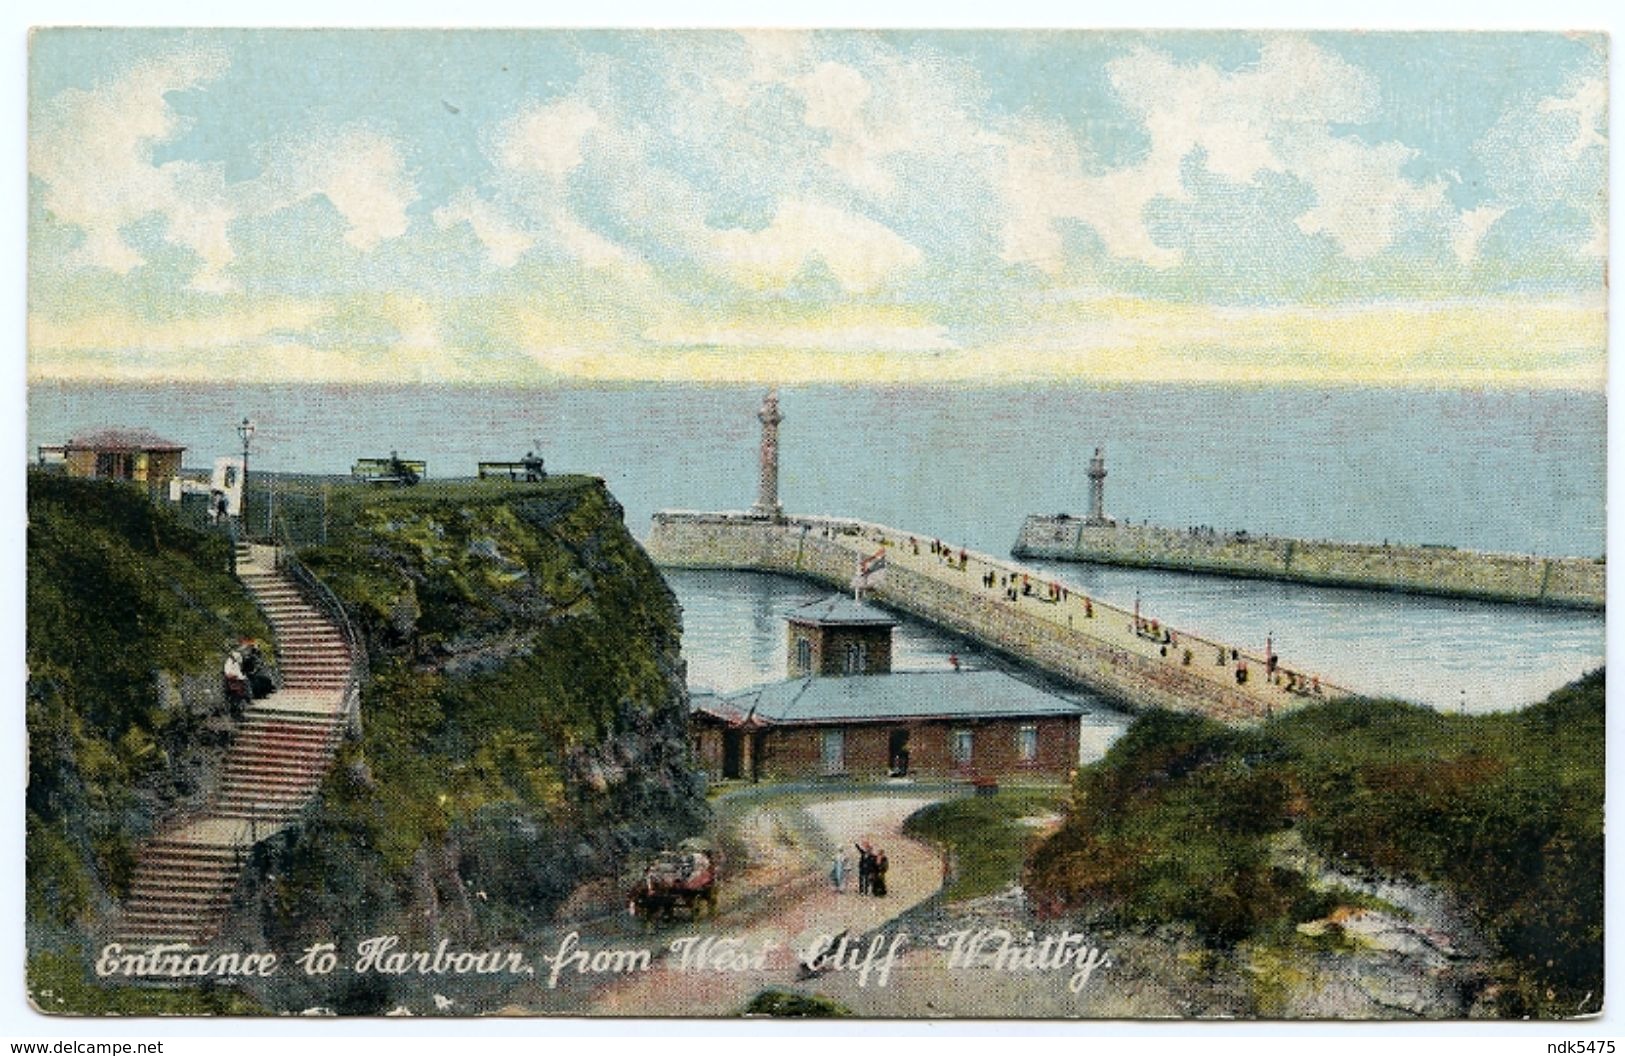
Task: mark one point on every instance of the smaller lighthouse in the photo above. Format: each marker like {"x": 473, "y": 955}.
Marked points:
{"x": 767, "y": 493}
{"x": 1097, "y": 489}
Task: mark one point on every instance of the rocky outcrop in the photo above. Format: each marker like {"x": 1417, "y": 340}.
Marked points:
{"x": 525, "y": 726}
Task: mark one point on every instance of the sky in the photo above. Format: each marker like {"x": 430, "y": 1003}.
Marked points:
{"x": 934, "y": 207}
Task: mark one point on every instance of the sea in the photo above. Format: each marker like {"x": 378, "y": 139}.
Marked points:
{"x": 1512, "y": 471}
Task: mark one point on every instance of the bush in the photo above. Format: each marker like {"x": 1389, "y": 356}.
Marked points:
{"x": 1503, "y": 809}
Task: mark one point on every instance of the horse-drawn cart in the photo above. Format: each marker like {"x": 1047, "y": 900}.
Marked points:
{"x": 682, "y": 880}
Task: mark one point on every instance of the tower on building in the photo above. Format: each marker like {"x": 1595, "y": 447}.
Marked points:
{"x": 839, "y": 636}
{"x": 767, "y": 491}
{"x": 1097, "y": 489}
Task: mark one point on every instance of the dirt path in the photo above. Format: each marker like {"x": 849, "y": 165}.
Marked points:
{"x": 783, "y": 903}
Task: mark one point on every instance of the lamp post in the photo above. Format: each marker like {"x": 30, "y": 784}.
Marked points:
{"x": 245, "y": 429}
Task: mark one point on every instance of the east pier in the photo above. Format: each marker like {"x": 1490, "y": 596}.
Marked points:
{"x": 1443, "y": 571}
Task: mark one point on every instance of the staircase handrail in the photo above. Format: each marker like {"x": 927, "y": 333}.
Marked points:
{"x": 321, "y": 595}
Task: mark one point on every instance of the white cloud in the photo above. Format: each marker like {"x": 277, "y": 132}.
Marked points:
{"x": 92, "y": 149}
{"x": 859, "y": 252}
{"x": 1471, "y": 227}
{"x": 1363, "y": 200}
{"x": 1553, "y": 154}
{"x": 594, "y": 250}
{"x": 896, "y": 107}
{"x": 1272, "y": 116}
{"x": 1589, "y": 105}
{"x": 534, "y": 153}
{"x": 504, "y": 241}
{"x": 835, "y": 95}
{"x": 93, "y": 152}
{"x": 546, "y": 139}
{"x": 361, "y": 172}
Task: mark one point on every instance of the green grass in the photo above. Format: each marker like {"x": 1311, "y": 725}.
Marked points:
{"x": 123, "y": 600}
{"x": 984, "y": 836}
{"x": 1505, "y": 810}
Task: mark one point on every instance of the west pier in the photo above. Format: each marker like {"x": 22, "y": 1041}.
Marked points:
{"x": 1029, "y": 615}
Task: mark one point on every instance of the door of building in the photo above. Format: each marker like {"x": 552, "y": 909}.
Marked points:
{"x": 897, "y": 752}
{"x": 733, "y": 746}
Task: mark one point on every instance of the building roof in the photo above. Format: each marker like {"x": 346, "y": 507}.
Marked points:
{"x": 887, "y": 698}
{"x": 122, "y": 440}
{"x": 716, "y": 707}
{"x": 840, "y": 610}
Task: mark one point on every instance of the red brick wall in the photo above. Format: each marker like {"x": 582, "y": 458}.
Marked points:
{"x": 798, "y": 752}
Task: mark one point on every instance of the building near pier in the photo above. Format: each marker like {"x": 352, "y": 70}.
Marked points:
{"x": 845, "y": 713}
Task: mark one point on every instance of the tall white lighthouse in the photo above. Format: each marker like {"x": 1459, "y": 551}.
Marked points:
{"x": 767, "y": 491}
{"x": 1097, "y": 489}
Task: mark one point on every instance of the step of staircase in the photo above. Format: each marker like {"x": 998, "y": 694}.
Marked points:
{"x": 273, "y": 769}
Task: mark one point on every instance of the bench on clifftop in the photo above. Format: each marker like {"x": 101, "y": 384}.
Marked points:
{"x": 529, "y": 469}
{"x": 399, "y": 471}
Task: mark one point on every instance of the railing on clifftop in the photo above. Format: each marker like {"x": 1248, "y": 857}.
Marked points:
{"x": 321, "y": 595}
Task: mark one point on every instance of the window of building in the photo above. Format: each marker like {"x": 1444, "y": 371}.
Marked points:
{"x": 803, "y": 654}
{"x": 834, "y": 751}
{"x": 114, "y": 465}
{"x": 857, "y": 657}
{"x": 1027, "y": 743}
{"x": 960, "y": 745}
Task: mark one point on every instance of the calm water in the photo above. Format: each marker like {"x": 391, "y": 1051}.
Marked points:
{"x": 733, "y": 638}
{"x": 1521, "y": 472}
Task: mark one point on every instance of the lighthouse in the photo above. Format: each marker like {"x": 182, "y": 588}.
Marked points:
{"x": 1097, "y": 489}
{"x": 767, "y": 493}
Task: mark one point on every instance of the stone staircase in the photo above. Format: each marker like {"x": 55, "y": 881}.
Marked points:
{"x": 281, "y": 751}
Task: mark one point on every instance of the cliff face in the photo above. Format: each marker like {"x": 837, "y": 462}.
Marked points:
{"x": 130, "y": 615}
{"x": 525, "y": 725}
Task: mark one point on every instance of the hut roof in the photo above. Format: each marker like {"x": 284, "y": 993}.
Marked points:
{"x": 122, "y": 440}
{"x": 841, "y": 610}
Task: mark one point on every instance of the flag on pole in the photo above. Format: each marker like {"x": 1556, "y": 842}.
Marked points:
{"x": 871, "y": 570}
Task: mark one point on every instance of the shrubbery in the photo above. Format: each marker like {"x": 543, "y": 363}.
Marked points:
{"x": 1504, "y": 809}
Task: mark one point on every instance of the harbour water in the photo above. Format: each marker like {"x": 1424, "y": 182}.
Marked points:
{"x": 1510, "y": 471}
{"x": 734, "y": 637}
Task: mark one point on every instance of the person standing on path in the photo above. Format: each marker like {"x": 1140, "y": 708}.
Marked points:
{"x": 837, "y": 872}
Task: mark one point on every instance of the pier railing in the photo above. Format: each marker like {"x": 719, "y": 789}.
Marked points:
{"x": 322, "y": 597}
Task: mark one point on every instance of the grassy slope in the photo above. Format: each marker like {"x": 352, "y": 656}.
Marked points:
{"x": 985, "y": 835}
{"x": 120, "y": 596}
{"x": 1504, "y": 809}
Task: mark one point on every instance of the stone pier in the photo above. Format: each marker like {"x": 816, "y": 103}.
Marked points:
{"x": 1556, "y": 582}
{"x": 1127, "y": 657}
